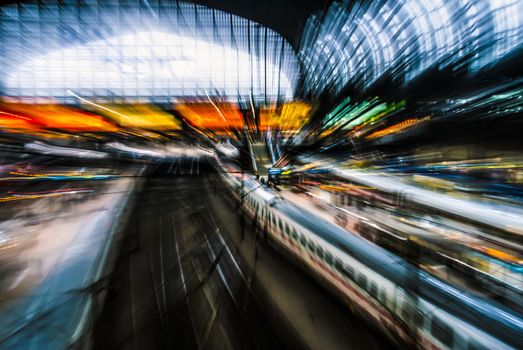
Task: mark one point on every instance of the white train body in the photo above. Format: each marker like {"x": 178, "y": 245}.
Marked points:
{"x": 400, "y": 312}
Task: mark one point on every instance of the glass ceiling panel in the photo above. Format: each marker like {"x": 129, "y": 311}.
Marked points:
{"x": 405, "y": 38}
{"x": 149, "y": 53}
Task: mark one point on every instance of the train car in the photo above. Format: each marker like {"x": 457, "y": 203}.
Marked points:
{"x": 407, "y": 304}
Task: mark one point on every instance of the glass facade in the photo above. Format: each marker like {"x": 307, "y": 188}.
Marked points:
{"x": 152, "y": 52}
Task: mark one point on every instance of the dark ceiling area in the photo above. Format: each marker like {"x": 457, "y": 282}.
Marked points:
{"x": 286, "y": 17}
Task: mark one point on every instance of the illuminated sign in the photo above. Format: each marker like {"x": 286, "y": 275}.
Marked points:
{"x": 289, "y": 117}
{"x": 211, "y": 115}
{"x": 140, "y": 116}
{"x": 51, "y": 116}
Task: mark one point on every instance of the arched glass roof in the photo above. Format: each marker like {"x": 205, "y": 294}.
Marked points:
{"x": 148, "y": 53}
{"x": 356, "y": 43}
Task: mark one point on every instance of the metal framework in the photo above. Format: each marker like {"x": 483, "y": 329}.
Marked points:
{"x": 153, "y": 52}
{"x": 358, "y": 42}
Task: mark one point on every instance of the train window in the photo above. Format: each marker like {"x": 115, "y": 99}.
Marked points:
{"x": 347, "y": 271}
{"x": 328, "y": 258}
{"x": 362, "y": 281}
{"x": 410, "y": 314}
{"x": 310, "y": 245}
{"x": 280, "y": 225}
{"x": 382, "y": 297}
{"x": 338, "y": 265}
{"x": 303, "y": 240}
{"x": 294, "y": 234}
{"x": 319, "y": 252}
{"x": 373, "y": 289}
{"x": 441, "y": 331}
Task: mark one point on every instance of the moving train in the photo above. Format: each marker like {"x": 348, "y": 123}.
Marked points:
{"x": 406, "y": 303}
